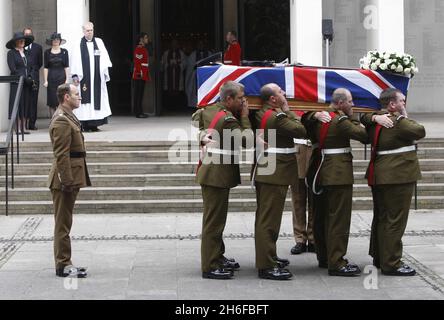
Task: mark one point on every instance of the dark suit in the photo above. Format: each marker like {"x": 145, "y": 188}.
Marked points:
{"x": 35, "y": 54}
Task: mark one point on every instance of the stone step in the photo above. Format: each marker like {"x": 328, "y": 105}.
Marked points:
{"x": 175, "y": 167}
{"x": 183, "y": 192}
{"x": 166, "y": 155}
{"x": 136, "y": 180}
{"x": 177, "y": 206}
{"x": 139, "y": 180}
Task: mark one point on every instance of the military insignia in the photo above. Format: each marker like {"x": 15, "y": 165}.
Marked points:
{"x": 85, "y": 88}
{"x": 281, "y": 115}
{"x": 230, "y": 118}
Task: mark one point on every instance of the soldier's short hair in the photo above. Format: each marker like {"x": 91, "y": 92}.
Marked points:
{"x": 234, "y": 33}
{"x": 339, "y": 95}
{"x": 62, "y": 90}
{"x": 387, "y": 96}
{"x": 267, "y": 92}
{"x": 230, "y": 89}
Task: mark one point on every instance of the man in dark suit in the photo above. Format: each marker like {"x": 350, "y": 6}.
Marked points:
{"x": 35, "y": 53}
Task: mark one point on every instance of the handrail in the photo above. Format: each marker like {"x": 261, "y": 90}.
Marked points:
{"x": 9, "y": 143}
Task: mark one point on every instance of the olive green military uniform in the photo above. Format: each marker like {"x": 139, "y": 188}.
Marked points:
{"x": 272, "y": 187}
{"x": 395, "y": 176}
{"x": 302, "y": 225}
{"x": 216, "y": 178}
{"x": 332, "y": 208}
{"x": 68, "y": 169}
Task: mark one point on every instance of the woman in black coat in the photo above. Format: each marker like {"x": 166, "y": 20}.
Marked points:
{"x": 18, "y": 64}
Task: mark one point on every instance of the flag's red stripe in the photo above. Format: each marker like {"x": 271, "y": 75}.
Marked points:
{"x": 375, "y": 79}
{"x": 306, "y": 84}
{"x": 231, "y": 77}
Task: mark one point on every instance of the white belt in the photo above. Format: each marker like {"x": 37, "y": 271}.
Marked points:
{"x": 282, "y": 150}
{"x": 145, "y": 64}
{"x": 336, "y": 151}
{"x": 396, "y": 151}
{"x": 304, "y": 142}
{"x": 223, "y": 152}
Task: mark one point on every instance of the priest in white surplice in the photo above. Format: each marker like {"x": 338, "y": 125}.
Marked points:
{"x": 89, "y": 67}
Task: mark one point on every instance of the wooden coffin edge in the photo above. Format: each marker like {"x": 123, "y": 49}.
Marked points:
{"x": 254, "y": 103}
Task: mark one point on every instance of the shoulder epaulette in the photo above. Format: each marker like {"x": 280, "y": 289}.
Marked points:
{"x": 230, "y": 118}
{"x": 400, "y": 117}
{"x": 281, "y": 115}
{"x": 342, "y": 118}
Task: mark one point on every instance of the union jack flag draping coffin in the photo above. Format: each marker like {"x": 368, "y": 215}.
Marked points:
{"x": 308, "y": 84}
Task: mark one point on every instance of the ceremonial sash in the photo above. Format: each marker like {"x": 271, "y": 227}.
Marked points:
{"x": 210, "y": 130}
{"x": 85, "y": 84}
{"x": 322, "y": 137}
{"x": 262, "y": 128}
{"x": 371, "y": 167}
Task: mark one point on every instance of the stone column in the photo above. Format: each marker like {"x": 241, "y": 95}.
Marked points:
{"x": 306, "y": 32}
{"x": 5, "y": 36}
{"x": 384, "y": 22}
{"x": 71, "y": 15}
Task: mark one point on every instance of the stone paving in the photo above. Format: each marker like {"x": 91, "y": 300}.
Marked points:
{"x": 157, "y": 257}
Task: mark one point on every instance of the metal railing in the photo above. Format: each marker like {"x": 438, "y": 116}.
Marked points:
{"x": 8, "y": 145}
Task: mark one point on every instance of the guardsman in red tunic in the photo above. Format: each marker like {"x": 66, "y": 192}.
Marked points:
{"x": 233, "y": 54}
{"x": 141, "y": 73}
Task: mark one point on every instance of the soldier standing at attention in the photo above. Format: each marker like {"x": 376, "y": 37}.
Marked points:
{"x": 68, "y": 174}
{"x": 219, "y": 172}
{"x": 392, "y": 173}
{"x": 276, "y": 118}
{"x": 332, "y": 182}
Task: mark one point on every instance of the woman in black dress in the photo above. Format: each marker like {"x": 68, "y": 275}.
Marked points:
{"x": 18, "y": 64}
{"x": 56, "y": 69}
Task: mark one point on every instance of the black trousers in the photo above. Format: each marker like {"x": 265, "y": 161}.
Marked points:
{"x": 139, "y": 89}
{"x": 34, "y": 96}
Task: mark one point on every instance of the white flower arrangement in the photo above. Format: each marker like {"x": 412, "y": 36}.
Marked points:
{"x": 403, "y": 64}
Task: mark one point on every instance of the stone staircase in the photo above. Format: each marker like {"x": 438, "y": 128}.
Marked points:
{"x": 137, "y": 177}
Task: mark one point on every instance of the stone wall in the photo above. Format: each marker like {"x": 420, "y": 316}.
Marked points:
{"x": 424, "y": 22}
{"x": 424, "y": 25}
{"x": 41, "y": 16}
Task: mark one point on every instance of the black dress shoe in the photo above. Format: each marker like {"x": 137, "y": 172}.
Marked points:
{"x": 275, "y": 274}
{"x": 281, "y": 263}
{"x": 218, "y": 274}
{"x": 376, "y": 263}
{"x": 403, "y": 271}
{"x": 299, "y": 248}
{"x": 95, "y": 129}
{"x": 142, "y": 116}
{"x": 33, "y": 128}
{"x": 311, "y": 247}
{"x": 229, "y": 264}
{"x": 348, "y": 270}
{"x": 72, "y": 272}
